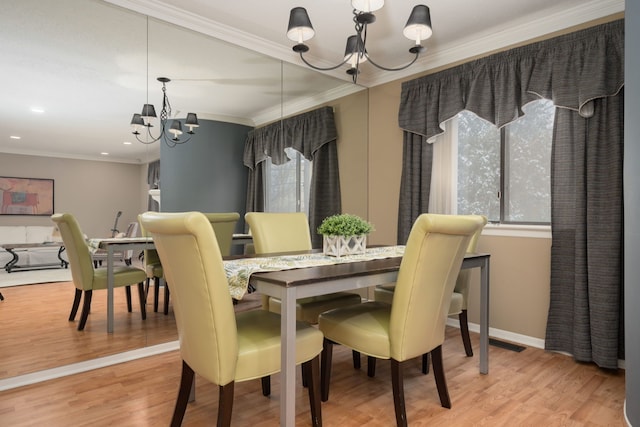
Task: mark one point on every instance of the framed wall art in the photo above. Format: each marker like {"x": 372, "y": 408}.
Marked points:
{"x": 26, "y": 196}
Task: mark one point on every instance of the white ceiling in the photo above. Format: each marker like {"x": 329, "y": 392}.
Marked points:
{"x": 85, "y": 62}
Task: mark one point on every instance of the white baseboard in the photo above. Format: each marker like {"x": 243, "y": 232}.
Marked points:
{"x": 501, "y": 334}
{"x": 76, "y": 368}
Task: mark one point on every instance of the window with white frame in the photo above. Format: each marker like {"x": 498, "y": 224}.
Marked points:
{"x": 506, "y": 173}
{"x": 287, "y": 186}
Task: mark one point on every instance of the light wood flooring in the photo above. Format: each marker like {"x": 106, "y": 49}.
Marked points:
{"x": 37, "y": 335}
{"x": 531, "y": 388}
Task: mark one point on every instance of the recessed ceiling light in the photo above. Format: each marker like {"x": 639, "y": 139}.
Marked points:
{"x": 15, "y": 137}
{"x": 37, "y": 110}
{"x": 127, "y": 143}
{"x": 104, "y": 153}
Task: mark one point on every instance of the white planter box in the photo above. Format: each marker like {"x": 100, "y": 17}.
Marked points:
{"x": 341, "y": 245}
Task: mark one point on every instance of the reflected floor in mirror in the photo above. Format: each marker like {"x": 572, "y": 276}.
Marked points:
{"x": 37, "y": 335}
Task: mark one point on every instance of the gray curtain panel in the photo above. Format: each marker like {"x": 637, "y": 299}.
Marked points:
{"x": 583, "y": 74}
{"x": 153, "y": 179}
{"x": 314, "y": 135}
{"x": 415, "y": 183}
{"x": 586, "y": 305}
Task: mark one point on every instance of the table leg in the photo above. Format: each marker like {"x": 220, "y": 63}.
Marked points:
{"x": 484, "y": 317}
{"x": 110, "y": 280}
{"x": 288, "y": 358}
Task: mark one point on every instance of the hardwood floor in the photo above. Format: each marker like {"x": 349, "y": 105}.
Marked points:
{"x": 531, "y": 388}
{"x": 37, "y": 335}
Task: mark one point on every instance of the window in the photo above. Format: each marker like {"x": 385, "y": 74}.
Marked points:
{"x": 287, "y": 186}
{"x": 506, "y": 173}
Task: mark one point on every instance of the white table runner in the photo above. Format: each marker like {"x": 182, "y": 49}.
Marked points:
{"x": 238, "y": 271}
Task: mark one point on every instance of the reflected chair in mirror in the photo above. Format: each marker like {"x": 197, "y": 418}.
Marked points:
{"x": 223, "y": 224}
{"x": 88, "y": 278}
{"x": 153, "y": 271}
{"x": 218, "y": 344}
{"x": 414, "y": 323}
{"x": 458, "y": 304}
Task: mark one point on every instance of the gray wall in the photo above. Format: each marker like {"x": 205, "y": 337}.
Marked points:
{"x": 93, "y": 191}
{"x": 632, "y": 210}
{"x": 206, "y": 174}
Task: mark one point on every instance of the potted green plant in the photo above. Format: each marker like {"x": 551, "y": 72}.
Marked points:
{"x": 344, "y": 234}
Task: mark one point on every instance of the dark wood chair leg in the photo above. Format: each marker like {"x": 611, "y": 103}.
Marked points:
{"x": 464, "y": 331}
{"x": 425, "y": 363}
{"x": 356, "y": 359}
{"x": 128, "y": 291}
{"x": 397, "y": 384}
{"x": 166, "y": 298}
{"x": 86, "y": 307}
{"x": 325, "y": 373}
{"x": 143, "y": 307}
{"x": 438, "y": 373}
{"x": 266, "y": 385}
{"x": 371, "y": 366}
{"x": 305, "y": 384}
{"x": 186, "y": 381}
{"x": 146, "y": 288}
{"x": 225, "y": 404}
{"x": 76, "y": 304}
{"x": 311, "y": 370}
{"x": 156, "y": 293}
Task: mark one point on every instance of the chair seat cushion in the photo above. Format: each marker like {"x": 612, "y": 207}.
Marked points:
{"x": 455, "y": 307}
{"x": 363, "y": 327}
{"x": 122, "y": 276}
{"x": 154, "y": 270}
{"x": 308, "y": 309}
{"x": 259, "y": 344}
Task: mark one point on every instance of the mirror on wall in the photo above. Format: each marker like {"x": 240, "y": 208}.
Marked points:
{"x": 98, "y": 63}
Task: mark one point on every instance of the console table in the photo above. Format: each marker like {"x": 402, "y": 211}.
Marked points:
{"x": 13, "y": 263}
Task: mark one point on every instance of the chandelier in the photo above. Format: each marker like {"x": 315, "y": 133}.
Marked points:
{"x": 143, "y": 120}
{"x": 418, "y": 28}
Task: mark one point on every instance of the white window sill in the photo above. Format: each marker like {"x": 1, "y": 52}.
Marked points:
{"x": 518, "y": 230}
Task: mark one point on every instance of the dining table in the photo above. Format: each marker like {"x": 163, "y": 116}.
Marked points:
{"x": 291, "y": 283}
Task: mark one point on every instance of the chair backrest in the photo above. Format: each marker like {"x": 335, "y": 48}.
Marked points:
{"x": 224, "y": 224}
{"x": 203, "y": 308}
{"x": 464, "y": 278}
{"x": 279, "y": 232}
{"x": 77, "y": 250}
{"x": 431, "y": 262}
{"x": 151, "y": 256}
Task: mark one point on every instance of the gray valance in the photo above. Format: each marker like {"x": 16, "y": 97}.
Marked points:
{"x": 572, "y": 70}
{"x": 305, "y": 132}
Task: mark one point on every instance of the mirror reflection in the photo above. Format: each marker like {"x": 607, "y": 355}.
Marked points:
{"x": 96, "y": 64}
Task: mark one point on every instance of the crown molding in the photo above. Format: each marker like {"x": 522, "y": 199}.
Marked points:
{"x": 521, "y": 31}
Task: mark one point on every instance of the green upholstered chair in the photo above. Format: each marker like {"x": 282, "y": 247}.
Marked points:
{"x": 153, "y": 270}
{"x": 86, "y": 277}
{"x": 288, "y": 232}
{"x": 223, "y": 224}
{"x": 414, "y": 323}
{"x": 458, "y": 304}
{"x": 217, "y": 344}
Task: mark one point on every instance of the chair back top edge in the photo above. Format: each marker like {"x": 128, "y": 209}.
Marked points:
{"x": 279, "y": 232}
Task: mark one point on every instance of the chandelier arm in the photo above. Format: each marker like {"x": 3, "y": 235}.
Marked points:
{"x": 137, "y": 134}
{"x": 322, "y": 68}
{"x": 393, "y": 69}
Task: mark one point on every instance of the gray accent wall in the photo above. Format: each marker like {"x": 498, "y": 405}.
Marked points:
{"x": 632, "y": 211}
{"x": 206, "y": 174}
